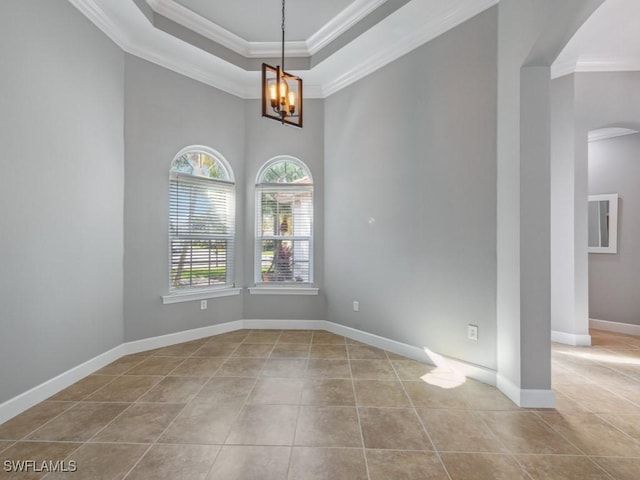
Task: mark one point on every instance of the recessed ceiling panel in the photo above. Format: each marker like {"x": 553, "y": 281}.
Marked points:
{"x": 260, "y": 20}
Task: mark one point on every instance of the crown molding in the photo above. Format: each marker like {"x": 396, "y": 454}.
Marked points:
{"x": 595, "y": 64}
{"x": 274, "y": 49}
{"x": 342, "y": 22}
{"x": 606, "y": 133}
{"x": 228, "y": 84}
{"x": 97, "y": 16}
{"x": 607, "y": 64}
{"x": 191, "y": 20}
{"x": 348, "y": 17}
{"x": 157, "y": 47}
{"x": 214, "y": 32}
{"x": 560, "y": 69}
{"x": 428, "y": 31}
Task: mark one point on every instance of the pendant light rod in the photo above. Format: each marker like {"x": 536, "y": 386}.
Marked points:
{"x": 283, "y": 35}
{"x": 281, "y": 91}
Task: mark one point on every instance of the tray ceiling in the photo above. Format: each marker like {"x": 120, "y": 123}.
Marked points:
{"x": 259, "y": 20}
{"x": 331, "y": 43}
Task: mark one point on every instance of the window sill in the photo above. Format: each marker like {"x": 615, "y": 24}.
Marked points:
{"x": 199, "y": 295}
{"x": 283, "y": 290}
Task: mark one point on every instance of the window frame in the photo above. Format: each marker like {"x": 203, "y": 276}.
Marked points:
{"x": 195, "y": 292}
{"x": 294, "y": 287}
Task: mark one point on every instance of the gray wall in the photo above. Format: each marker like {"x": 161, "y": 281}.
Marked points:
{"x": 61, "y": 187}
{"x": 614, "y": 167}
{"x": 582, "y": 102}
{"x": 569, "y": 287}
{"x": 165, "y": 112}
{"x": 531, "y": 35}
{"x": 410, "y": 196}
{"x": 264, "y": 140}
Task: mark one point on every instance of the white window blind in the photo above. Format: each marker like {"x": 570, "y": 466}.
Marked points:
{"x": 284, "y": 224}
{"x": 202, "y": 231}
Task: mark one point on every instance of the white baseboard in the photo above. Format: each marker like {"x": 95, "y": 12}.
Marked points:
{"x": 180, "y": 337}
{"x": 526, "y": 398}
{"x": 617, "y": 327}
{"x": 270, "y": 324}
{"x": 24, "y": 401}
{"x": 571, "y": 339}
{"x": 470, "y": 370}
{"x": 37, "y": 394}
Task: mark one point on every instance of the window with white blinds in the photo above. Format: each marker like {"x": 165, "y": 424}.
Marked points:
{"x": 284, "y": 223}
{"x": 201, "y": 221}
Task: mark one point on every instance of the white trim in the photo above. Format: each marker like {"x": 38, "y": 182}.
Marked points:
{"x": 560, "y": 69}
{"x": 576, "y": 340}
{"x": 191, "y": 20}
{"x": 522, "y": 398}
{"x": 594, "y": 64}
{"x": 293, "y": 49}
{"x": 612, "y": 223}
{"x": 607, "y": 133}
{"x": 224, "y": 80}
{"x": 131, "y": 31}
{"x": 625, "y": 328}
{"x": 200, "y": 295}
{"x": 37, "y": 394}
{"x": 270, "y": 324}
{"x": 284, "y": 290}
{"x": 476, "y": 372}
{"x": 91, "y": 10}
{"x": 216, "y": 155}
{"x": 526, "y": 398}
{"x": 284, "y": 158}
{"x": 342, "y": 22}
{"x": 169, "y": 339}
{"x": 607, "y": 64}
{"x": 393, "y": 50}
{"x": 214, "y": 32}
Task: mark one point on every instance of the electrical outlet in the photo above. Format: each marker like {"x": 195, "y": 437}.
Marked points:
{"x": 203, "y": 304}
{"x": 356, "y": 306}
{"x": 472, "y": 332}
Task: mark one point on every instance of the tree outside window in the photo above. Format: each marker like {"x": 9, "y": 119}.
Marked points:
{"x": 284, "y": 227}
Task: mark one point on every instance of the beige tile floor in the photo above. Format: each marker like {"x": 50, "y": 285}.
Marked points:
{"x": 304, "y": 405}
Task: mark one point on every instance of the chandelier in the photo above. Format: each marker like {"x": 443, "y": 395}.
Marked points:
{"x": 281, "y": 92}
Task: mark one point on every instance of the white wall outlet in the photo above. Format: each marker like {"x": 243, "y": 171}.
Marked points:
{"x": 356, "y": 306}
{"x": 203, "y": 304}
{"x": 472, "y": 332}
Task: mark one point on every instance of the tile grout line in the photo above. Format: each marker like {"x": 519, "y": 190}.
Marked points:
{"x": 537, "y": 414}
{"x": 151, "y": 445}
{"x": 508, "y": 451}
{"x": 355, "y": 398}
{"x": 24, "y": 437}
{"x": 415, "y": 412}
{"x": 582, "y": 452}
{"x": 155, "y": 442}
{"x": 295, "y": 430}
{"x": 244, "y": 404}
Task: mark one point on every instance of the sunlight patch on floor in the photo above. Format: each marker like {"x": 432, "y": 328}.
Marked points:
{"x": 603, "y": 357}
{"x": 444, "y": 375}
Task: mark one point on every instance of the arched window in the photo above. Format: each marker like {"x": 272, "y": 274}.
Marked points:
{"x": 284, "y": 223}
{"x": 201, "y": 220}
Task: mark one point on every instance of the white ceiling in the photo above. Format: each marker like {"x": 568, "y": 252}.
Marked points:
{"x": 222, "y": 43}
{"x": 260, "y": 20}
{"x": 608, "y": 41}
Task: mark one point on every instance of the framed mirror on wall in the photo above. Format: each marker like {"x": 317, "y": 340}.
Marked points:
{"x": 603, "y": 223}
